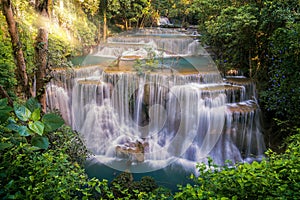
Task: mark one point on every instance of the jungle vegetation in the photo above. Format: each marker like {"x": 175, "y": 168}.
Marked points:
{"x": 258, "y": 38}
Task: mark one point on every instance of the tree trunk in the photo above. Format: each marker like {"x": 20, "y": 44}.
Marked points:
{"x": 126, "y": 24}
{"x": 3, "y": 94}
{"x": 99, "y": 34}
{"x": 103, "y": 7}
{"x": 104, "y": 25}
{"x": 41, "y": 50}
{"x": 23, "y": 83}
{"x": 250, "y": 63}
{"x": 104, "y": 4}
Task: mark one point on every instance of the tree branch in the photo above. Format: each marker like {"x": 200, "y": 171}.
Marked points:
{"x": 3, "y": 94}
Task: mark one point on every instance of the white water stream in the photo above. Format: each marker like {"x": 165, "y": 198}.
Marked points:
{"x": 144, "y": 122}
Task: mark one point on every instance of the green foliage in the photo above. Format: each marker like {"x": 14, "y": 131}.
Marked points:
{"x": 124, "y": 187}
{"x": 4, "y": 110}
{"x": 146, "y": 65}
{"x": 7, "y": 66}
{"x": 27, "y": 121}
{"x": 282, "y": 98}
{"x": 90, "y": 6}
{"x": 160, "y": 193}
{"x": 129, "y": 13}
{"x": 238, "y": 32}
{"x": 276, "y": 177}
{"x": 72, "y": 32}
{"x": 59, "y": 51}
{"x": 27, "y": 174}
{"x": 31, "y": 170}
{"x": 69, "y": 142}
{"x": 232, "y": 34}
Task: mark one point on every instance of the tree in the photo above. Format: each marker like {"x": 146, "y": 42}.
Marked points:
{"x": 23, "y": 82}
{"x": 232, "y": 35}
{"x": 41, "y": 50}
{"x": 282, "y": 96}
{"x": 103, "y": 5}
{"x": 130, "y": 13}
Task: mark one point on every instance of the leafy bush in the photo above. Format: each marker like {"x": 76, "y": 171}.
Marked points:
{"x": 69, "y": 142}
{"x": 31, "y": 170}
{"x": 27, "y": 121}
{"x": 123, "y": 186}
{"x": 277, "y": 177}
{"x": 282, "y": 98}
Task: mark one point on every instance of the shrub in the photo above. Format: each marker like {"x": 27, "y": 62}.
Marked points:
{"x": 124, "y": 187}
{"x": 30, "y": 169}
{"x": 274, "y": 178}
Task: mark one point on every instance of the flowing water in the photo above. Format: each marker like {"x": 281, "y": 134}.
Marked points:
{"x": 170, "y": 111}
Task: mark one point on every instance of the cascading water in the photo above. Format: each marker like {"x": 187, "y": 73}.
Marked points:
{"x": 177, "y": 113}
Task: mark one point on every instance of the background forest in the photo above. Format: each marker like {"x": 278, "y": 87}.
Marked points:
{"x": 259, "y": 39}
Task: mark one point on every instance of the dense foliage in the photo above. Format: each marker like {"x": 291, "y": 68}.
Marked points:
{"x": 52, "y": 168}
{"x": 276, "y": 177}
{"x": 40, "y": 158}
{"x": 43, "y": 159}
{"x": 282, "y": 98}
{"x": 70, "y": 33}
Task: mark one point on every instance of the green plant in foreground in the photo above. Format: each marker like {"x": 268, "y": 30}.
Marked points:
{"x": 27, "y": 121}
{"x": 277, "y": 177}
{"x": 38, "y": 161}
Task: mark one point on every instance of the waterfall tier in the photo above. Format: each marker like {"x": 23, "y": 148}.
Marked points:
{"x": 181, "y": 109}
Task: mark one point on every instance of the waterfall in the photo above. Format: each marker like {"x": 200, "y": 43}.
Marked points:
{"x": 181, "y": 111}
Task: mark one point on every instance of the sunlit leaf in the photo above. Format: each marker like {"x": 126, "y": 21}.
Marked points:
{"x": 37, "y": 127}
{"x": 22, "y": 113}
{"x": 36, "y": 115}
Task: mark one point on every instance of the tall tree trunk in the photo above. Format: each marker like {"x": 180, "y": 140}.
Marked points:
{"x": 23, "y": 83}
{"x": 41, "y": 50}
{"x": 126, "y": 24}
{"x": 250, "y": 63}
{"x": 104, "y": 20}
{"x": 104, "y": 26}
{"x": 99, "y": 33}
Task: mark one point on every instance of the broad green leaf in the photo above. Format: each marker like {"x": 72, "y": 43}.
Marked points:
{"x": 22, "y": 130}
{"x": 22, "y": 113}
{"x": 40, "y": 141}
{"x": 4, "y": 110}
{"x": 52, "y": 122}
{"x": 37, "y": 127}
{"x": 32, "y": 104}
{"x": 36, "y": 115}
